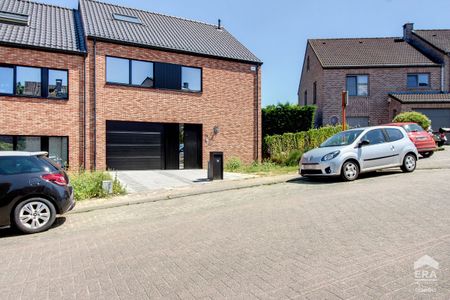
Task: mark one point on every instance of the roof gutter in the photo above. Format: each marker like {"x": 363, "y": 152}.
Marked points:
{"x": 49, "y": 49}
{"x": 102, "y": 39}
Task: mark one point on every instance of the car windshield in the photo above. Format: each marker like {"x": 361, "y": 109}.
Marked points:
{"x": 412, "y": 128}
{"x": 342, "y": 138}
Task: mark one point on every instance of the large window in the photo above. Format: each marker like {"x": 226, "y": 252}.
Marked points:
{"x": 418, "y": 80}
{"x": 6, "y": 80}
{"x": 57, "y": 147}
{"x": 57, "y": 84}
{"x": 191, "y": 79}
{"x": 153, "y": 75}
{"x": 358, "y": 85}
{"x": 34, "y": 82}
{"x": 28, "y": 81}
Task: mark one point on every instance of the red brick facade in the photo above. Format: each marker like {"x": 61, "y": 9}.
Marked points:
{"x": 230, "y": 99}
{"x": 46, "y": 117}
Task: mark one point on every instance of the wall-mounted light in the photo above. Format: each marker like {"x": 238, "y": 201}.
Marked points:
{"x": 216, "y": 129}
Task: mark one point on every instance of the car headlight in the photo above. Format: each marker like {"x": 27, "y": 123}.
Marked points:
{"x": 331, "y": 155}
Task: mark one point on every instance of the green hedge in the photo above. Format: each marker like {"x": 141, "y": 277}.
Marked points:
{"x": 413, "y": 116}
{"x": 288, "y": 148}
{"x": 282, "y": 118}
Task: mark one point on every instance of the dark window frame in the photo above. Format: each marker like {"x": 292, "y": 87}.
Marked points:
{"x": 356, "y": 76}
{"x": 418, "y": 86}
{"x": 44, "y": 141}
{"x": 154, "y": 77}
{"x": 44, "y": 82}
{"x": 307, "y": 64}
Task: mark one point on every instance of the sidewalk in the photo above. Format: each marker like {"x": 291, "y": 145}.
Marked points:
{"x": 164, "y": 194}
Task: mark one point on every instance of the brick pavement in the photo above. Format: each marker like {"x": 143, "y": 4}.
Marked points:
{"x": 303, "y": 239}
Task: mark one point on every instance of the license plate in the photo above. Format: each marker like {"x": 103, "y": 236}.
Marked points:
{"x": 311, "y": 167}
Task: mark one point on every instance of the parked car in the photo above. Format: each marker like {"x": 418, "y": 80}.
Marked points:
{"x": 424, "y": 142}
{"x": 33, "y": 189}
{"x": 351, "y": 152}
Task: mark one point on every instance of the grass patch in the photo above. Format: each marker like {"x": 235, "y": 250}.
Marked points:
{"x": 266, "y": 168}
{"x": 88, "y": 185}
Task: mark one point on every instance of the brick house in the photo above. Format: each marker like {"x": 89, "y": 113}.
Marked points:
{"x": 145, "y": 90}
{"x": 383, "y": 77}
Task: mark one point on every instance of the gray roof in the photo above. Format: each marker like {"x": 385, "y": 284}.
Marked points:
{"x": 367, "y": 52}
{"x": 161, "y": 31}
{"x": 421, "y": 97}
{"x": 49, "y": 27}
{"x": 439, "y": 38}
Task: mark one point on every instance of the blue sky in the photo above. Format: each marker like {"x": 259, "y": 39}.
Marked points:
{"x": 276, "y": 31}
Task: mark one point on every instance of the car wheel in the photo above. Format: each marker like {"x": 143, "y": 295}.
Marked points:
{"x": 350, "y": 171}
{"x": 409, "y": 163}
{"x": 427, "y": 154}
{"x": 34, "y": 215}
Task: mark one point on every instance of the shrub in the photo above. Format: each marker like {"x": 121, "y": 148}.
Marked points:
{"x": 281, "y": 148}
{"x": 233, "y": 164}
{"x": 293, "y": 158}
{"x": 282, "y": 118}
{"x": 87, "y": 185}
{"x": 413, "y": 116}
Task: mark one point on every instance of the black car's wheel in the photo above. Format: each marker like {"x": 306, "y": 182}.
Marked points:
{"x": 350, "y": 170}
{"x": 409, "y": 163}
{"x": 34, "y": 215}
{"x": 426, "y": 154}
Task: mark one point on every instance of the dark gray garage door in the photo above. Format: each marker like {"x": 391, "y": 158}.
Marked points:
{"x": 134, "y": 146}
{"x": 440, "y": 117}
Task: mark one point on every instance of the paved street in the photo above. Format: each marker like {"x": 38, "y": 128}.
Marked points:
{"x": 303, "y": 239}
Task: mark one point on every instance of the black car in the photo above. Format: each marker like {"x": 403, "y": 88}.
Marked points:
{"x": 33, "y": 190}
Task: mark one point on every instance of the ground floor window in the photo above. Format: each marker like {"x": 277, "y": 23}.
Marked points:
{"x": 57, "y": 147}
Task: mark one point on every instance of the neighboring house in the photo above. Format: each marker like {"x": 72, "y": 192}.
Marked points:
{"x": 383, "y": 77}
{"x": 151, "y": 83}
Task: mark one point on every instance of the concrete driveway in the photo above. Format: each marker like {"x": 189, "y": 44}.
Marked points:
{"x": 145, "y": 181}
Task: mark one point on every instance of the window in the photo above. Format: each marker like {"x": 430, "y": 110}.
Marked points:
{"x": 153, "y": 75}
{"x": 358, "y": 85}
{"x": 28, "y": 81}
{"x": 191, "y": 79}
{"x": 142, "y": 73}
{"x": 306, "y": 98}
{"x": 12, "y": 18}
{"x": 394, "y": 134}
{"x": 131, "y": 19}
{"x": 307, "y": 63}
{"x": 21, "y": 164}
{"x": 57, "y": 147}
{"x": 374, "y": 137}
{"x": 6, "y": 80}
{"x": 117, "y": 70}
{"x": 418, "y": 80}
{"x": 314, "y": 92}
{"x": 57, "y": 84}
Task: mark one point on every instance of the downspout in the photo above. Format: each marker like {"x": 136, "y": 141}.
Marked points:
{"x": 442, "y": 77}
{"x": 84, "y": 113}
{"x": 94, "y": 108}
{"x": 257, "y": 113}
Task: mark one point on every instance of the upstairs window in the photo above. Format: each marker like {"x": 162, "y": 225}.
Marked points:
{"x": 6, "y": 80}
{"x": 418, "y": 80}
{"x": 28, "y": 81}
{"x": 13, "y": 18}
{"x": 142, "y": 73}
{"x": 305, "y": 99}
{"x": 131, "y": 19}
{"x": 307, "y": 63}
{"x": 191, "y": 79}
{"x": 57, "y": 84}
{"x": 315, "y": 92}
{"x": 358, "y": 85}
{"x": 117, "y": 70}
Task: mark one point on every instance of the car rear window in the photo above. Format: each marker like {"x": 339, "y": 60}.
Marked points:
{"x": 13, "y": 165}
{"x": 413, "y": 128}
{"x": 394, "y": 134}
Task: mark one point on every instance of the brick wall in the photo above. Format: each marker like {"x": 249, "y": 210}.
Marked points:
{"x": 228, "y": 101}
{"x": 382, "y": 81}
{"x": 45, "y": 117}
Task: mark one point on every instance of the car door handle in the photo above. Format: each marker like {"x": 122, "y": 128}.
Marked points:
{"x": 392, "y": 147}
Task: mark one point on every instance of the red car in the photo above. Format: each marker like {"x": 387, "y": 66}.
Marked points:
{"x": 423, "y": 141}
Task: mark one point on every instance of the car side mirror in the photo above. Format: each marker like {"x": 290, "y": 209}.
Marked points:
{"x": 363, "y": 143}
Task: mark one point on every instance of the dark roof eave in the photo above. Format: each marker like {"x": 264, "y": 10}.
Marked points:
{"x": 417, "y": 102}
{"x": 42, "y": 48}
{"x": 381, "y": 66}
{"x": 109, "y": 40}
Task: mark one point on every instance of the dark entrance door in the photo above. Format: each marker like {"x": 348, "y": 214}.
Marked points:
{"x": 192, "y": 146}
{"x": 134, "y": 146}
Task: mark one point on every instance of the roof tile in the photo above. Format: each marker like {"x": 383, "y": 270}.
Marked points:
{"x": 439, "y": 38}
{"x": 422, "y": 97}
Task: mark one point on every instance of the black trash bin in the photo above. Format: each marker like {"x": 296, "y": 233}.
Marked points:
{"x": 215, "y": 166}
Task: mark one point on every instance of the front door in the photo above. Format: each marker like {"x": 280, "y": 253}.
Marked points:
{"x": 192, "y": 146}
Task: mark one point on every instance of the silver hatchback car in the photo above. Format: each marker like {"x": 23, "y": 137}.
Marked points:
{"x": 354, "y": 151}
